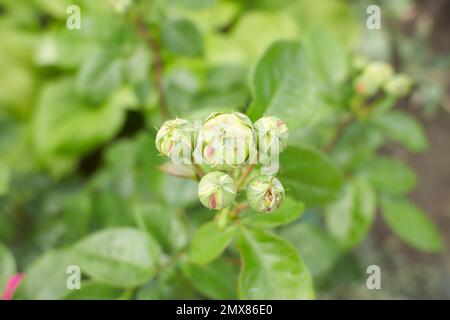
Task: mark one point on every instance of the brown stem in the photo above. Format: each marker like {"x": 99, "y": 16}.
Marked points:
{"x": 244, "y": 176}
{"x": 343, "y": 125}
{"x": 238, "y": 209}
{"x": 198, "y": 170}
{"x": 158, "y": 64}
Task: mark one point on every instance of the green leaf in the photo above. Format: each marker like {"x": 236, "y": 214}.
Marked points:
{"x": 178, "y": 170}
{"x": 271, "y": 268}
{"x": 92, "y": 290}
{"x": 64, "y": 126}
{"x": 46, "y": 278}
{"x": 163, "y": 223}
{"x": 99, "y": 76}
{"x": 182, "y": 37}
{"x": 359, "y": 143}
{"x": 318, "y": 249}
{"x": 328, "y": 56}
{"x": 411, "y": 224}
{"x": 351, "y": 216}
{"x": 179, "y": 192}
{"x": 250, "y": 37}
{"x": 7, "y": 266}
{"x": 309, "y": 176}
{"x": 216, "y": 280}
{"x": 337, "y": 16}
{"x": 389, "y": 175}
{"x": 289, "y": 211}
{"x": 122, "y": 257}
{"x": 285, "y": 85}
{"x": 136, "y": 66}
{"x": 4, "y": 178}
{"x": 209, "y": 242}
{"x": 170, "y": 285}
{"x": 404, "y": 129}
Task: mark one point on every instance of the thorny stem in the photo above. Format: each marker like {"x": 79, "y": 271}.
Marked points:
{"x": 158, "y": 65}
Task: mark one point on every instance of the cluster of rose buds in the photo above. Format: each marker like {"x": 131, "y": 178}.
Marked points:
{"x": 223, "y": 143}
{"x": 377, "y": 76}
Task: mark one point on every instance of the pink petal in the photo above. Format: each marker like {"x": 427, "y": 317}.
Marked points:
{"x": 11, "y": 286}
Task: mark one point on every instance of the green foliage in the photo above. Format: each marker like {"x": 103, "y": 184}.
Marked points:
{"x": 284, "y": 85}
{"x": 351, "y": 216}
{"x": 82, "y": 182}
{"x": 289, "y": 211}
{"x": 216, "y": 280}
{"x": 272, "y": 269}
{"x": 389, "y": 175}
{"x": 182, "y": 37}
{"x": 46, "y": 277}
{"x": 123, "y": 257}
{"x": 95, "y": 290}
{"x": 4, "y": 178}
{"x": 7, "y": 265}
{"x": 318, "y": 249}
{"x": 411, "y": 225}
{"x": 311, "y": 177}
{"x": 209, "y": 242}
{"x": 404, "y": 129}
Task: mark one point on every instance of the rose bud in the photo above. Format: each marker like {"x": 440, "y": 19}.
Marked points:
{"x": 175, "y": 136}
{"x": 265, "y": 193}
{"x": 272, "y": 133}
{"x": 227, "y": 140}
{"x": 217, "y": 190}
{"x": 399, "y": 85}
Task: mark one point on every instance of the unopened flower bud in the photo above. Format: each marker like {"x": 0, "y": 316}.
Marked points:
{"x": 265, "y": 193}
{"x": 398, "y": 85}
{"x": 227, "y": 140}
{"x": 373, "y": 77}
{"x": 272, "y": 133}
{"x": 217, "y": 190}
{"x": 175, "y": 136}
{"x": 379, "y": 72}
{"x": 120, "y": 6}
{"x": 359, "y": 62}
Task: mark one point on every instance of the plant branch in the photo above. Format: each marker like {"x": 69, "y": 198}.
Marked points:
{"x": 244, "y": 176}
{"x": 343, "y": 125}
{"x": 238, "y": 209}
{"x": 158, "y": 64}
{"x": 198, "y": 170}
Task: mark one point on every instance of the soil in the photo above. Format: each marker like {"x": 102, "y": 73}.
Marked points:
{"x": 406, "y": 272}
{"x": 414, "y": 274}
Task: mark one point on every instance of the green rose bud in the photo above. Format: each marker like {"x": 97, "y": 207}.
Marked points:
{"x": 265, "y": 193}
{"x": 175, "y": 137}
{"x": 272, "y": 133}
{"x": 217, "y": 190}
{"x": 226, "y": 140}
{"x": 120, "y": 6}
{"x": 373, "y": 77}
{"x": 379, "y": 72}
{"x": 399, "y": 85}
{"x": 359, "y": 62}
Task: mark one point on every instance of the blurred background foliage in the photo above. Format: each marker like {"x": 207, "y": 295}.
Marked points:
{"x": 79, "y": 108}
